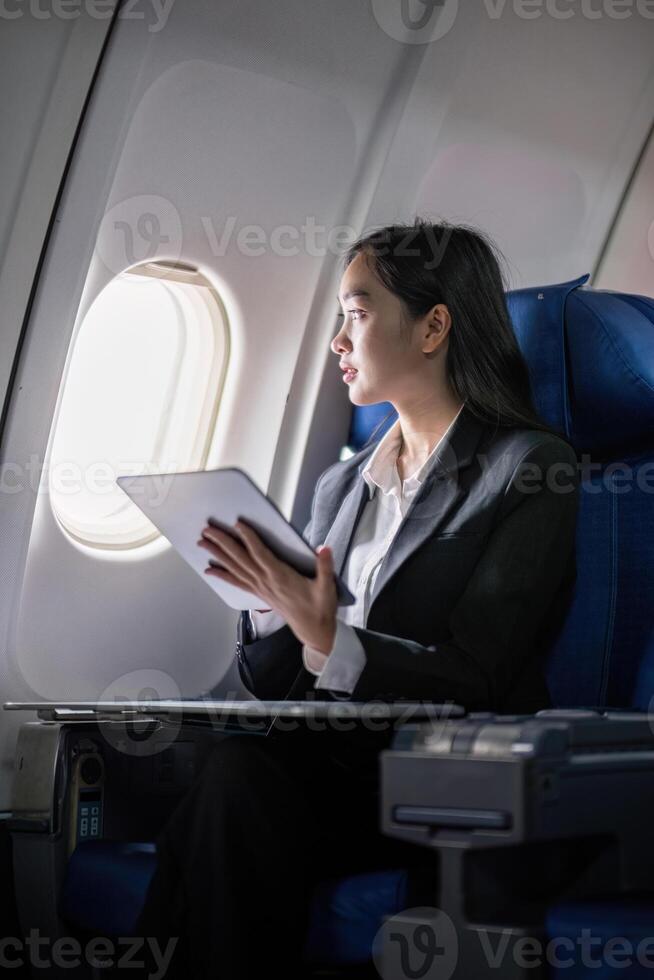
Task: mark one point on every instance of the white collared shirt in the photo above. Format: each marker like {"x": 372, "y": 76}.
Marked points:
{"x": 388, "y": 501}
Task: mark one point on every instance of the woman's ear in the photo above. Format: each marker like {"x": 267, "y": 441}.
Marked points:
{"x": 437, "y": 325}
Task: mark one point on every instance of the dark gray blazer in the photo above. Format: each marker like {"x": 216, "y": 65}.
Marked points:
{"x": 474, "y": 586}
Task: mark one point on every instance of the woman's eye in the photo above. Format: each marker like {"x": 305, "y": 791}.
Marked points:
{"x": 356, "y": 314}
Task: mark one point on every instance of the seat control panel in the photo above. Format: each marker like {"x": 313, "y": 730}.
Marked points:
{"x": 87, "y": 792}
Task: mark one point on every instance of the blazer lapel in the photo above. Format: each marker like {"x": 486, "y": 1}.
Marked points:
{"x": 342, "y": 530}
{"x": 430, "y": 507}
{"x": 437, "y": 497}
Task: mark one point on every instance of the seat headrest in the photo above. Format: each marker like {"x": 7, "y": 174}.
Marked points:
{"x": 590, "y": 354}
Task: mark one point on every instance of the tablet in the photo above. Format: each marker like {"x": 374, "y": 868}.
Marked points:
{"x": 181, "y": 504}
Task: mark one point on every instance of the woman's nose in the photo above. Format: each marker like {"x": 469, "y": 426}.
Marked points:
{"x": 337, "y": 345}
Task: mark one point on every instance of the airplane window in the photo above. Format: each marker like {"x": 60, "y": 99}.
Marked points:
{"x": 141, "y": 395}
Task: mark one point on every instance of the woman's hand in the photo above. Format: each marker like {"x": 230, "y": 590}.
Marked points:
{"x": 308, "y": 605}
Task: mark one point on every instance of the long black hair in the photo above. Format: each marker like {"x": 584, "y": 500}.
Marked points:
{"x": 424, "y": 264}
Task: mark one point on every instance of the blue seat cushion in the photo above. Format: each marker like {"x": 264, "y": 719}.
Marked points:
{"x": 609, "y": 937}
{"x": 106, "y": 883}
{"x": 346, "y": 914}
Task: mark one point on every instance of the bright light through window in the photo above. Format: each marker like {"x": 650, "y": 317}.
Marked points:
{"x": 141, "y": 395}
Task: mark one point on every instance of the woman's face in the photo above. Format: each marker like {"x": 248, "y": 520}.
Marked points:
{"x": 375, "y": 338}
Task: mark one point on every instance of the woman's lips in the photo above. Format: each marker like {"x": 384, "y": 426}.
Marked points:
{"x": 349, "y": 375}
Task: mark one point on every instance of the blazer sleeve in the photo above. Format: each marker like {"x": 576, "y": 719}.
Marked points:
{"x": 269, "y": 666}
{"x": 494, "y": 626}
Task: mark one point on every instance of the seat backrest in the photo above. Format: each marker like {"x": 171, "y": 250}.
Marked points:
{"x": 590, "y": 355}
{"x": 591, "y": 361}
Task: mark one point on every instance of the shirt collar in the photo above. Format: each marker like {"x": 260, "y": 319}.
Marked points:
{"x": 380, "y": 469}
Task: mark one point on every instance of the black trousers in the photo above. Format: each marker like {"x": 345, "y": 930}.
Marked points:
{"x": 267, "y": 817}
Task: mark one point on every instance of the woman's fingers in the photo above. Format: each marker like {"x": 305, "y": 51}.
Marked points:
{"x": 228, "y": 577}
{"x": 249, "y": 562}
{"x": 222, "y": 546}
{"x": 274, "y": 573}
{"x": 228, "y": 554}
{"x": 232, "y": 575}
{"x": 219, "y": 538}
{"x": 261, "y": 555}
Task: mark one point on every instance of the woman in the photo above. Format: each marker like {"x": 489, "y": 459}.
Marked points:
{"x": 456, "y": 534}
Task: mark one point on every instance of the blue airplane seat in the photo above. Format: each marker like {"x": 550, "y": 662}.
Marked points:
{"x": 367, "y": 419}
{"x": 105, "y": 885}
{"x": 591, "y": 359}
